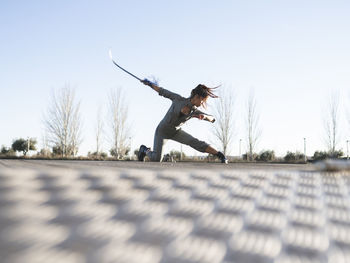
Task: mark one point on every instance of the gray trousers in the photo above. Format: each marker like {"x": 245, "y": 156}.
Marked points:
{"x": 161, "y": 136}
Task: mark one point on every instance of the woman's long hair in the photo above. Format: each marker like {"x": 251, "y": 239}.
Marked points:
{"x": 204, "y": 92}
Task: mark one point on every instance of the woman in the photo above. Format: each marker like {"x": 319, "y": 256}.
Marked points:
{"x": 181, "y": 110}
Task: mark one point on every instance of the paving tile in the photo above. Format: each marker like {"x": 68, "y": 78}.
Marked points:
{"x": 159, "y": 215}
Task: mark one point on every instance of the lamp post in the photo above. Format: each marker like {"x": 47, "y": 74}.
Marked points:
{"x": 305, "y": 150}
{"x": 240, "y": 142}
{"x": 181, "y": 152}
{"x": 347, "y": 149}
{"x": 28, "y": 146}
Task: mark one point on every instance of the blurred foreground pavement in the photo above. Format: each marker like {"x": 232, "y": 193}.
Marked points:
{"x": 51, "y": 213}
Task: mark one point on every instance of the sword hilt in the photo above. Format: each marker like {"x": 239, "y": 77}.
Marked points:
{"x": 147, "y": 82}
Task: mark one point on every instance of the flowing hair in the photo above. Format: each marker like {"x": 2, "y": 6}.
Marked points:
{"x": 204, "y": 92}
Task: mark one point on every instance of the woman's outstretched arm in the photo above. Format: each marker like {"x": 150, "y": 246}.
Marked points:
{"x": 151, "y": 84}
{"x": 161, "y": 91}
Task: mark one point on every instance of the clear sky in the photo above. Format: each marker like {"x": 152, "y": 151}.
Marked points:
{"x": 292, "y": 53}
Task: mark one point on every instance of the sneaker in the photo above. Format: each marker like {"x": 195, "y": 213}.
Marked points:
{"x": 222, "y": 157}
{"x": 142, "y": 152}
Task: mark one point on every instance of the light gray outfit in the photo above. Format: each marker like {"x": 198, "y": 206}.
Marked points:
{"x": 169, "y": 127}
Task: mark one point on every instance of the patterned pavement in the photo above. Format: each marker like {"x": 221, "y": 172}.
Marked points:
{"x": 142, "y": 215}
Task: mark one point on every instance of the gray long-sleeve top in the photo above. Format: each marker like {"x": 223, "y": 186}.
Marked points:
{"x": 174, "y": 118}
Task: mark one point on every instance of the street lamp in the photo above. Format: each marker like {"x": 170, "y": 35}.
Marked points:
{"x": 240, "y": 142}
{"x": 181, "y": 152}
{"x": 347, "y": 149}
{"x": 28, "y": 144}
{"x": 130, "y": 154}
{"x": 305, "y": 150}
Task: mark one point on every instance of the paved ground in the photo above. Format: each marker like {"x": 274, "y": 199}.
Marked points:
{"x": 38, "y": 164}
{"x": 103, "y": 212}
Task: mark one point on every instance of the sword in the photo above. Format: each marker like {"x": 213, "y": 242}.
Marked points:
{"x": 115, "y": 63}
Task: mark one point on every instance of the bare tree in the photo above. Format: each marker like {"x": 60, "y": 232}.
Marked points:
{"x": 119, "y": 123}
{"x": 45, "y": 150}
{"x": 252, "y": 124}
{"x": 63, "y": 123}
{"x": 224, "y": 126}
{"x": 99, "y": 130}
{"x": 347, "y": 113}
{"x": 332, "y": 123}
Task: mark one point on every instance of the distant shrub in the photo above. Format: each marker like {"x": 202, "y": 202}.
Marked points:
{"x": 44, "y": 153}
{"x": 97, "y": 156}
{"x": 104, "y": 155}
{"x": 7, "y": 152}
{"x": 252, "y": 158}
{"x": 294, "y": 157}
{"x": 68, "y": 153}
{"x": 266, "y": 156}
{"x": 4, "y": 150}
{"x": 322, "y": 155}
{"x": 337, "y": 154}
{"x": 56, "y": 151}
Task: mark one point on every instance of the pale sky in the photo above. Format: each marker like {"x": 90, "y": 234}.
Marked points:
{"x": 294, "y": 54}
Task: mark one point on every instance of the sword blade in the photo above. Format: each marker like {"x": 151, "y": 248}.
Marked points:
{"x": 115, "y": 63}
